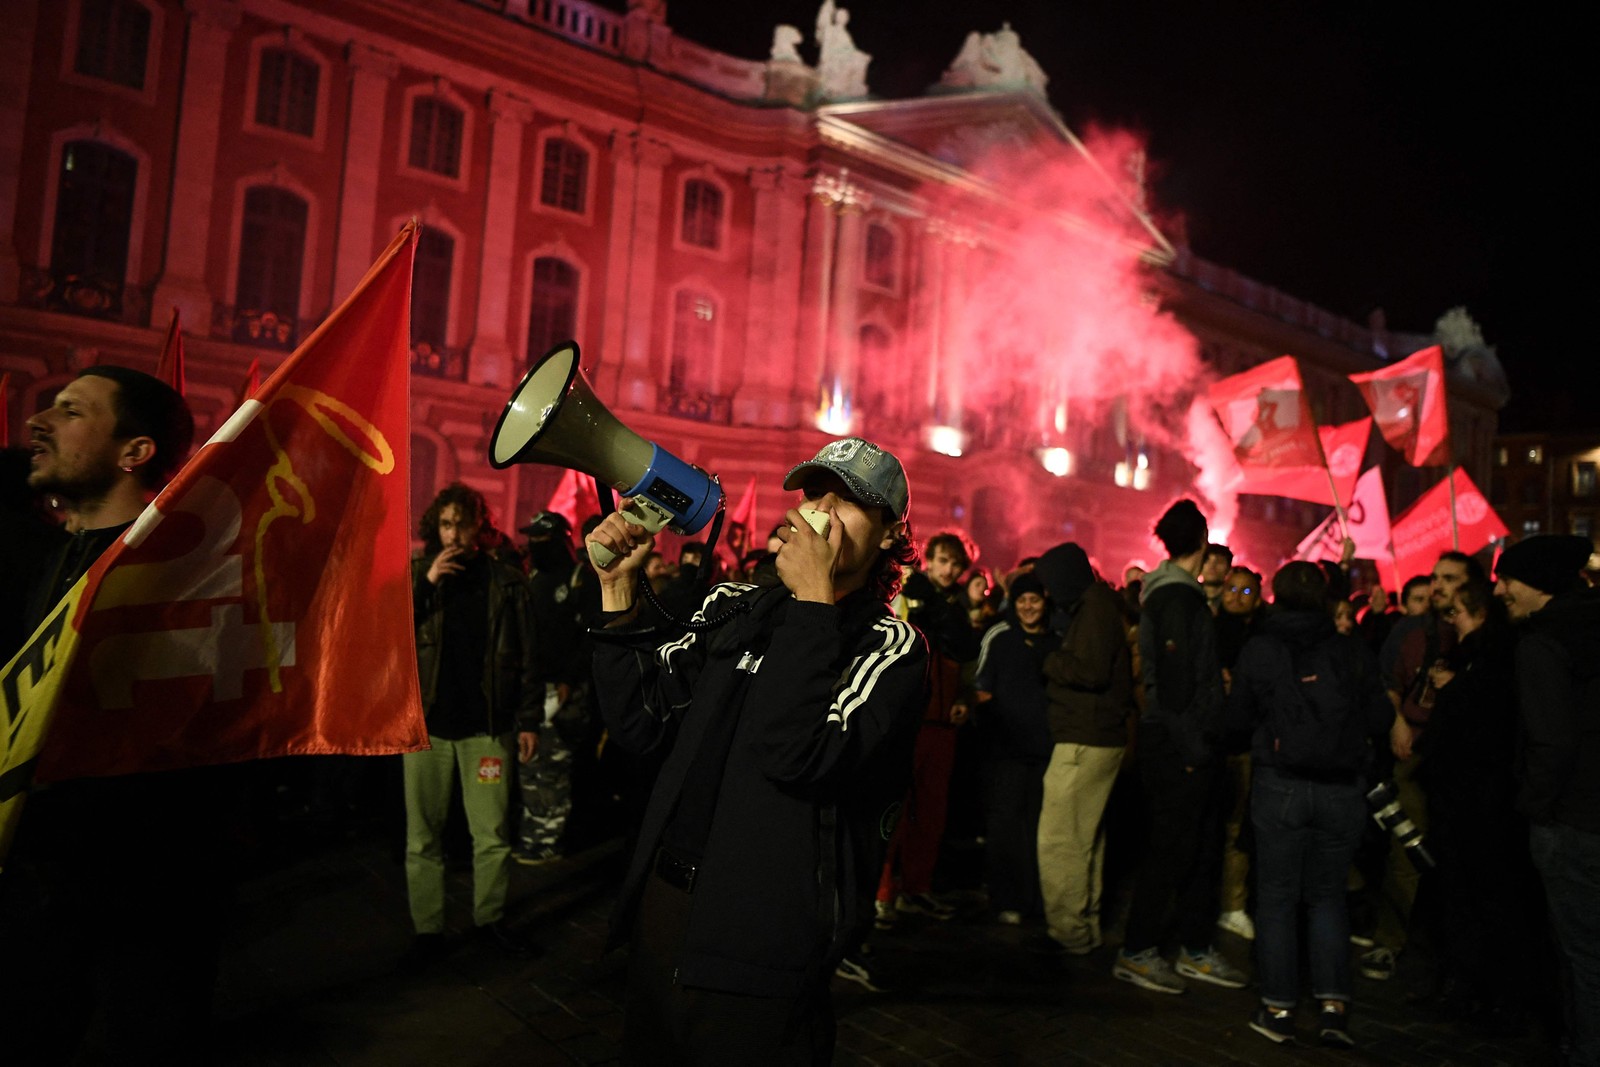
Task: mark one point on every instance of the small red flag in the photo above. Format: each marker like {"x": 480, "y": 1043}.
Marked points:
{"x": 574, "y": 497}
{"x": 1267, "y": 415}
{"x": 1424, "y": 531}
{"x": 251, "y": 386}
{"x": 261, "y": 606}
{"x": 1408, "y": 402}
{"x": 170, "y": 367}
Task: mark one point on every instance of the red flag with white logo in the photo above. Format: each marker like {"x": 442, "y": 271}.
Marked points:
{"x": 1267, "y": 415}
{"x": 261, "y": 606}
{"x": 1408, "y": 402}
{"x": 1344, "y": 446}
{"x": 1424, "y": 531}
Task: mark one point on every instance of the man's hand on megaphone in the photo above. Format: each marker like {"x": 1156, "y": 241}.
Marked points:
{"x": 630, "y": 543}
{"x": 807, "y": 559}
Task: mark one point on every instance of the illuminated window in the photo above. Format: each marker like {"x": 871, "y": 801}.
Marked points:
{"x": 1536, "y": 454}
{"x": 881, "y": 265}
{"x": 430, "y": 288}
{"x": 1583, "y": 479}
{"x": 694, "y": 336}
{"x": 94, "y": 213}
{"x": 564, "y": 183}
{"x": 436, "y": 136}
{"x": 286, "y": 94}
{"x": 1502, "y": 457}
{"x": 1531, "y": 527}
{"x": 113, "y": 41}
{"x": 271, "y": 252}
{"x": 702, "y": 214}
{"x": 553, "y": 308}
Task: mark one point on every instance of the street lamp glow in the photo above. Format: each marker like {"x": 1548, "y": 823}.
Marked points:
{"x": 1124, "y": 474}
{"x": 1058, "y": 461}
{"x": 946, "y": 440}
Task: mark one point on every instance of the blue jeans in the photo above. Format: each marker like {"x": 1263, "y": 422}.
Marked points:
{"x": 1569, "y": 864}
{"x": 1306, "y": 836}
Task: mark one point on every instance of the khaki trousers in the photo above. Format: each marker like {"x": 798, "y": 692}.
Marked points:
{"x": 485, "y": 765}
{"x": 1072, "y": 843}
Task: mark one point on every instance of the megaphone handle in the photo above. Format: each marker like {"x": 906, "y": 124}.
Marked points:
{"x": 640, "y": 512}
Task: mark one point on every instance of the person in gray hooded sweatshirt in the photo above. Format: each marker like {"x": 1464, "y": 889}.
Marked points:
{"x": 1180, "y": 771}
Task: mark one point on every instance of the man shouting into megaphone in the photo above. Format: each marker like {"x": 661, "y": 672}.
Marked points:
{"x": 785, "y": 744}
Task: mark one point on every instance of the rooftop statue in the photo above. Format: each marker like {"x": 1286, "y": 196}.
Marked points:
{"x": 785, "y": 44}
{"x": 995, "y": 61}
{"x": 841, "y": 66}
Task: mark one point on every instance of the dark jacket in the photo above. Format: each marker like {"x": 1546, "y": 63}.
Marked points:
{"x": 1178, "y": 658}
{"x": 1089, "y": 675}
{"x": 1011, "y": 669}
{"x": 819, "y": 757}
{"x": 512, "y": 687}
{"x": 1558, "y": 691}
{"x": 1266, "y": 674}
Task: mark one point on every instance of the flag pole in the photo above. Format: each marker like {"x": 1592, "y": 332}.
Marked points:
{"x": 1333, "y": 487}
{"x": 1455, "y": 527}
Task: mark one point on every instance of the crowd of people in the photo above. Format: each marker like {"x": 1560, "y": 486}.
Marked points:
{"x": 795, "y": 735}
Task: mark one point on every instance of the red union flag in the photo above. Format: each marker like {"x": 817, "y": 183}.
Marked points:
{"x": 1424, "y": 531}
{"x": 1408, "y": 402}
{"x": 1344, "y": 446}
{"x": 261, "y": 606}
{"x": 1267, "y": 415}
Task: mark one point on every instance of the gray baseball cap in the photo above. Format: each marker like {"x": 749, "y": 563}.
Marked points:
{"x": 874, "y": 476}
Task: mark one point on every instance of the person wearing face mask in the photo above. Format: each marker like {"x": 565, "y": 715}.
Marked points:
{"x": 1009, "y": 687}
{"x": 1089, "y": 686}
{"x": 785, "y": 735}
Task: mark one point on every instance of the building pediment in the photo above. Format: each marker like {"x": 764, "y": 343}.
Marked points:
{"x": 976, "y": 139}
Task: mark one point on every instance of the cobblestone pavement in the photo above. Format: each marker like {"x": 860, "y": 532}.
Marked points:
{"x": 315, "y": 972}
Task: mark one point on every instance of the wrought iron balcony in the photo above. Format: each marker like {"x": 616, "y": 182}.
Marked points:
{"x": 438, "y": 362}
{"x": 251, "y": 326}
{"x": 698, "y": 406}
{"x": 78, "y": 294}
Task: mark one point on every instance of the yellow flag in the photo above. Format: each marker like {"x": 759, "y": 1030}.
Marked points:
{"x": 29, "y": 688}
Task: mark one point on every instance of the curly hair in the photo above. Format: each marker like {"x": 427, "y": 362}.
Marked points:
{"x": 892, "y": 561}
{"x": 474, "y": 508}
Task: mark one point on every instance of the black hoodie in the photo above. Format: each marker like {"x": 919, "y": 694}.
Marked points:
{"x": 1558, "y": 690}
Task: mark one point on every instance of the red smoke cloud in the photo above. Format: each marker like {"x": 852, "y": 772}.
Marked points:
{"x": 1059, "y": 330}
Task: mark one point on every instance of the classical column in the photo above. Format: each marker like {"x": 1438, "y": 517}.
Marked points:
{"x": 489, "y": 357}
{"x": 16, "y": 68}
{"x": 619, "y": 250}
{"x": 844, "y": 341}
{"x": 638, "y": 387}
{"x": 754, "y": 394}
{"x": 816, "y": 287}
{"x": 370, "y": 74}
{"x": 194, "y": 177}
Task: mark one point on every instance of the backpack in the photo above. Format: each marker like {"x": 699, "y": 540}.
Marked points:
{"x": 1315, "y": 723}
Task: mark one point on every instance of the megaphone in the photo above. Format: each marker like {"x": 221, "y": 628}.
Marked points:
{"x": 554, "y": 418}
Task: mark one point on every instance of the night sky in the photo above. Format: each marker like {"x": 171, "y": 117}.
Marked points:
{"x": 1356, "y": 155}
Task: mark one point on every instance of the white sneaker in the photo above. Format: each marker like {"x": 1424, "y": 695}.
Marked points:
{"x": 1238, "y": 922}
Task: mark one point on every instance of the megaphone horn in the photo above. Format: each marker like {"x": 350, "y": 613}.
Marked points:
{"x": 554, "y": 418}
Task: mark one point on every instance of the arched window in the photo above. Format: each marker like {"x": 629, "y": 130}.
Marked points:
{"x": 286, "y": 92}
{"x": 702, "y": 214}
{"x": 694, "y": 338}
{"x": 94, "y": 214}
{"x": 436, "y": 127}
{"x": 113, "y": 41}
{"x": 553, "y": 306}
{"x": 881, "y": 267}
{"x": 564, "y": 183}
{"x": 430, "y": 288}
{"x": 271, "y": 256}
